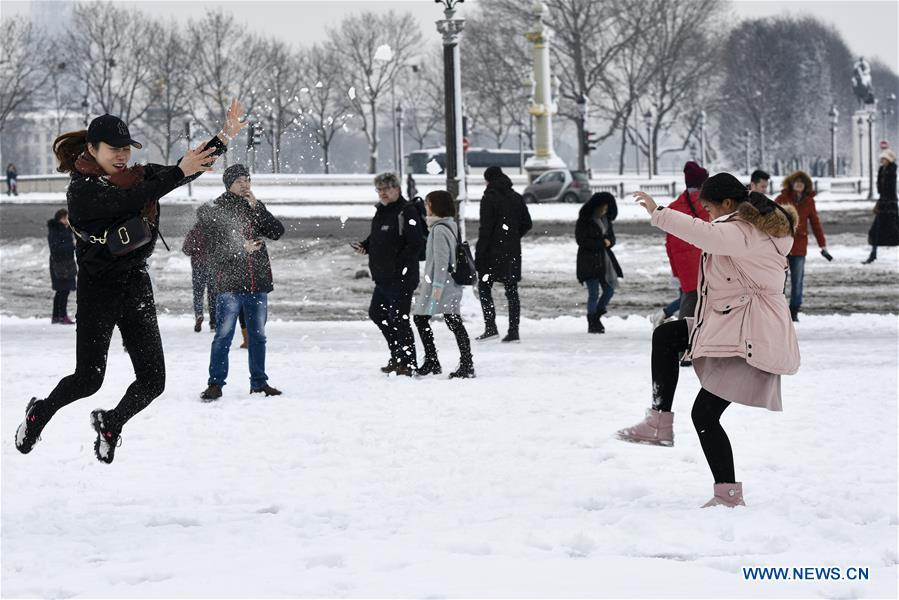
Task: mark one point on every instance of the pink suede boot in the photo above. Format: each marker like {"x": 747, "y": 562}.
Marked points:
{"x": 657, "y": 429}
{"x": 727, "y": 494}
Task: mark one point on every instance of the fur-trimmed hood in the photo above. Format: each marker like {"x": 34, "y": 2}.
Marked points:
{"x": 774, "y": 223}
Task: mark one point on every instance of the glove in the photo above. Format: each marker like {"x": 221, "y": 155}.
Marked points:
{"x": 826, "y": 254}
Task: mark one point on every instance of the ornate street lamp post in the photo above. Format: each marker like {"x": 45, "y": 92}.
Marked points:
{"x": 834, "y": 115}
{"x": 451, "y": 29}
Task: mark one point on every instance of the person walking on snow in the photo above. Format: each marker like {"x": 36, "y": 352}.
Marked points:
{"x": 12, "y": 180}
{"x": 393, "y": 247}
{"x": 438, "y": 292}
{"x": 798, "y": 192}
{"x": 243, "y": 277}
{"x": 114, "y": 212}
{"x": 504, "y": 220}
{"x": 885, "y": 229}
{"x": 195, "y": 247}
{"x": 741, "y": 340}
{"x": 597, "y": 266}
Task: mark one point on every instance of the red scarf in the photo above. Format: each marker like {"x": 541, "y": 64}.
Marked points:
{"x": 86, "y": 164}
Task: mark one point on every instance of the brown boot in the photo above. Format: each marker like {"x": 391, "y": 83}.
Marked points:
{"x": 246, "y": 340}
{"x": 727, "y": 494}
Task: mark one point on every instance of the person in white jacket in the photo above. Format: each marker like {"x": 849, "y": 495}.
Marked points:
{"x": 438, "y": 292}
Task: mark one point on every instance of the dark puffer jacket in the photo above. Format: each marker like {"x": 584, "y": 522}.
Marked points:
{"x": 504, "y": 221}
{"x": 393, "y": 250}
{"x": 62, "y": 256}
{"x": 591, "y": 242}
{"x": 226, "y": 227}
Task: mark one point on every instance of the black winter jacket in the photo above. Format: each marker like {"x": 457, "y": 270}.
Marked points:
{"x": 226, "y": 227}
{"x": 393, "y": 249}
{"x": 62, "y": 256}
{"x": 504, "y": 220}
{"x": 95, "y": 205}
{"x": 591, "y": 246}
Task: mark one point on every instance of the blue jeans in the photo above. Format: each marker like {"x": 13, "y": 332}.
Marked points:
{"x": 672, "y": 308}
{"x": 797, "y": 274}
{"x": 595, "y": 302}
{"x": 228, "y": 305}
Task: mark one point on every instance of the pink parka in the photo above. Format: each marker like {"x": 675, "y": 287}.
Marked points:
{"x": 742, "y": 310}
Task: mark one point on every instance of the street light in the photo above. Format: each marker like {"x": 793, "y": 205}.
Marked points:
{"x": 834, "y": 119}
{"x": 861, "y": 146}
{"x": 583, "y": 145}
{"x": 647, "y": 116}
{"x": 399, "y": 137}
{"x": 886, "y": 110}
{"x": 747, "y": 135}
{"x": 702, "y": 138}
{"x": 451, "y": 29}
{"x": 190, "y": 191}
{"x": 871, "y": 117}
{"x": 271, "y": 132}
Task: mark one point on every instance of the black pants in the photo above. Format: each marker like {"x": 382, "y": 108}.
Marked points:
{"x": 485, "y": 291}
{"x": 454, "y": 322}
{"x": 668, "y": 341}
{"x": 126, "y": 301}
{"x": 389, "y": 309}
{"x": 60, "y": 305}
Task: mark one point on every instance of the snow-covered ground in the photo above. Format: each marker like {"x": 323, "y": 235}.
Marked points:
{"x": 511, "y": 485}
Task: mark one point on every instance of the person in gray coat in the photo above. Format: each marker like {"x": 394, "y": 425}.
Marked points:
{"x": 438, "y": 292}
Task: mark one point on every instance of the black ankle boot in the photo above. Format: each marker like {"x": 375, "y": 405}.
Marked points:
{"x": 465, "y": 370}
{"x": 431, "y": 366}
{"x": 489, "y": 332}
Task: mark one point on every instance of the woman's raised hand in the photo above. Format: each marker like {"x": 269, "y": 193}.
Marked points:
{"x": 197, "y": 160}
{"x": 235, "y": 120}
{"x": 646, "y": 201}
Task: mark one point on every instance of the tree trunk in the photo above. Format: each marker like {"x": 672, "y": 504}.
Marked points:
{"x": 373, "y": 145}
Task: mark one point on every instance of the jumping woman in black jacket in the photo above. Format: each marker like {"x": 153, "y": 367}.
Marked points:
{"x": 114, "y": 289}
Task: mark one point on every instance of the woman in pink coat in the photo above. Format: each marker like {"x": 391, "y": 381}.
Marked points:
{"x": 741, "y": 339}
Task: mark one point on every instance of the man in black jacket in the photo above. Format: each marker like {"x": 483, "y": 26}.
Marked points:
{"x": 504, "y": 221}
{"x": 393, "y": 248}
{"x": 243, "y": 277}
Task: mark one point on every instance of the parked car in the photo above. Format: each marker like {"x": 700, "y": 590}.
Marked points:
{"x": 559, "y": 185}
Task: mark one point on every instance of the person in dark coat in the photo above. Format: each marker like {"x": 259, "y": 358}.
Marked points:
{"x": 504, "y": 220}
{"x": 201, "y": 275}
{"x": 62, "y": 264}
{"x": 597, "y": 266}
{"x": 12, "y": 176}
{"x": 393, "y": 248}
{"x": 885, "y": 229}
{"x": 242, "y": 271}
{"x": 114, "y": 290}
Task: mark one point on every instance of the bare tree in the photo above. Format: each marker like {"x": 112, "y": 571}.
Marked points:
{"x": 423, "y": 97}
{"x": 226, "y": 62}
{"x": 61, "y": 84}
{"x": 372, "y": 49}
{"x": 279, "y": 99}
{"x": 111, "y": 51}
{"x": 324, "y": 106}
{"x": 22, "y": 73}
{"x": 683, "y": 52}
{"x": 171, "y": 88}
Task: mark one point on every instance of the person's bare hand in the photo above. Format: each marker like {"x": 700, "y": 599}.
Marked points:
{"x": 251, "y": 198}
{"x": 197, "y": 160}
{"x": 235, "y": 120}
{"x": 252, "y": 246}
{"x": 358, "y": 248}
{"x": 608, "y": 243}
{"x": 646, "y": 201}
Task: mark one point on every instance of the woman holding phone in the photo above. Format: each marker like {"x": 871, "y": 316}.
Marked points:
{"x": 114, "y": 212}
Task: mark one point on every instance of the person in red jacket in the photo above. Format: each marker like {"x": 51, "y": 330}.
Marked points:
{"x": 797, "y": 191}
{"x": 684, "y": 257}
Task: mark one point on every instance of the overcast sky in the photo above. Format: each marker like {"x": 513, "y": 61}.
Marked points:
{"x": 868, "y": 26}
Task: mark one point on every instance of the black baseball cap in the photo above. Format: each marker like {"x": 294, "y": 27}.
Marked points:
{"x": 112, "y": 130}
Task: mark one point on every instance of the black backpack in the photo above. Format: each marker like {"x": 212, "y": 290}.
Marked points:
{"x": 421, "y": 222}
{"x": 465, "y": 272}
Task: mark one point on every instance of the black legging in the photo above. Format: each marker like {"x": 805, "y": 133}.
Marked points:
{"x": 454, "y": 322}
{"x": 485, "y": 291}
{"x": 60, "y": 305}
{"x": 668, "y": 341}
{"x": 126, "y": 301}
